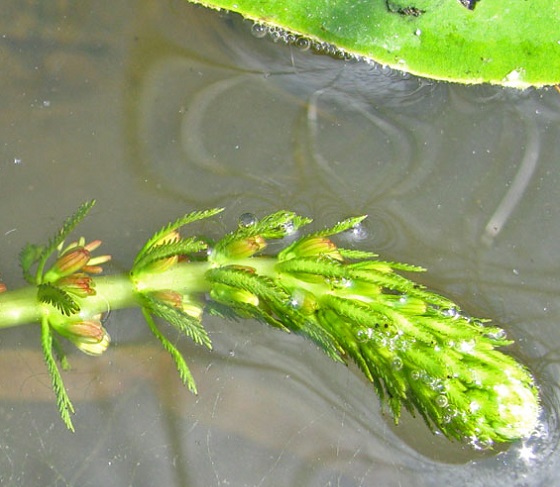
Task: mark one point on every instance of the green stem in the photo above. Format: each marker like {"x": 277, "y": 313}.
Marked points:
{"x": 20, "y": 307}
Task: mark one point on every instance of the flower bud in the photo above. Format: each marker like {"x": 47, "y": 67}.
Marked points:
{"x": 172, "y": 298}
{"x": 315, "y": 247}
{"x": 88, "y": 335}
{"x": 232, "y": 295}
{"x": 406, "y": 304}
{"x": 161, "y": 265}
{"x": 192, "y": 308}
{"x": 68, "y": 263}
{"x": 169, "y": 297}
{"x": 361, "y": 290}
{"x": 95, "y": 347}
{"x": 241, "y": 249}
{"x": 76, "y": 258}
{"x": 172, "y": 237}
{"x": 79, "y": 284}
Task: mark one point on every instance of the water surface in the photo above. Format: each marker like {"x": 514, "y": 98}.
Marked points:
{"x": 159, "y": 109}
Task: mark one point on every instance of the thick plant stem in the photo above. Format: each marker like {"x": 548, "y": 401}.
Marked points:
{"x": 21, "y": 306}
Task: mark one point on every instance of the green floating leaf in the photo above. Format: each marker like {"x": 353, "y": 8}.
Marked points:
{"x": 513, "y": 43}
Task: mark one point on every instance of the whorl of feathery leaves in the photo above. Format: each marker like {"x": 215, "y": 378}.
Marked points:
{"x": 418, "y": 349}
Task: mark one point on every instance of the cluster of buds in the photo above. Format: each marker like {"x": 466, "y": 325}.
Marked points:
{"x": 71, "y": 273}
{"x": 88, "y": 335}
{"x": 76, "y": 260}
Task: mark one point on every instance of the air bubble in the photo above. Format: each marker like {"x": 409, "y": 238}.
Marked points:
{"x": 247, "y": 220}
{"x": 474, "y": 406}
{"x": 358, "y": 232}
{"x": 436, "y": 385}
{"x": 416, "y": 375}
{"x": 259, "y": 30}
{"x": 451, "y": 411}
{"x": 451, "y": 313}
{"x": 481, "y": 443}
{"x": 441, "y": 401}
{"x": 297, "y": 299}
{"x": 497, "y": 334}
{"x": 466, "y": 346}
{"x": 290, "y": 38}
{"x": 289, "y": 227}
{"x": 339, "y": 283}
{"x": 302, "y": 43}
{"x": 397, "y": 363}
{"x": 295, "y": 302}
{"x": 364, "y": 334}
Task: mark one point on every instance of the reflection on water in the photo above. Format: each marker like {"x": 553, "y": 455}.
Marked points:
{"x": 160, "y": 108}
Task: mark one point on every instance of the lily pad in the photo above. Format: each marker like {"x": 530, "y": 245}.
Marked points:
{"x": 508, "y": 42}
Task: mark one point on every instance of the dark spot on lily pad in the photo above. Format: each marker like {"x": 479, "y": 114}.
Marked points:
{"x": 470, "y": 4}
{"x": 409, "y": 10}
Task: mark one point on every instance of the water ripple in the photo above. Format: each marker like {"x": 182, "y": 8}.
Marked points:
{"x": 462, "y": 180}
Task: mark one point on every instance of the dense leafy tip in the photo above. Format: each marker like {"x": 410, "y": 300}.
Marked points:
{"x": 418, "y": 349}
{"x": 508, "y": 43}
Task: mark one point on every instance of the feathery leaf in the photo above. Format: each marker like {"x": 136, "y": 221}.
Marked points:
{"x": 67, "y": 227}
{"x": 65, "y": 407}
{"x": 183, "y": 247}
{"x": 60, "y": 299}
{"x": 167, "y": 229}
{"x": 184, "y": 371}
{"x": 185, "y": 323}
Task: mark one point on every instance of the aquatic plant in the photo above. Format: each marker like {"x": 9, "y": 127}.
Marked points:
{"x": 416, "y": 347}
{"x": 468, "y": 41}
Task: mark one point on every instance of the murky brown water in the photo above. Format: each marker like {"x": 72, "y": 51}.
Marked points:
{"x": 159, "y": 108}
